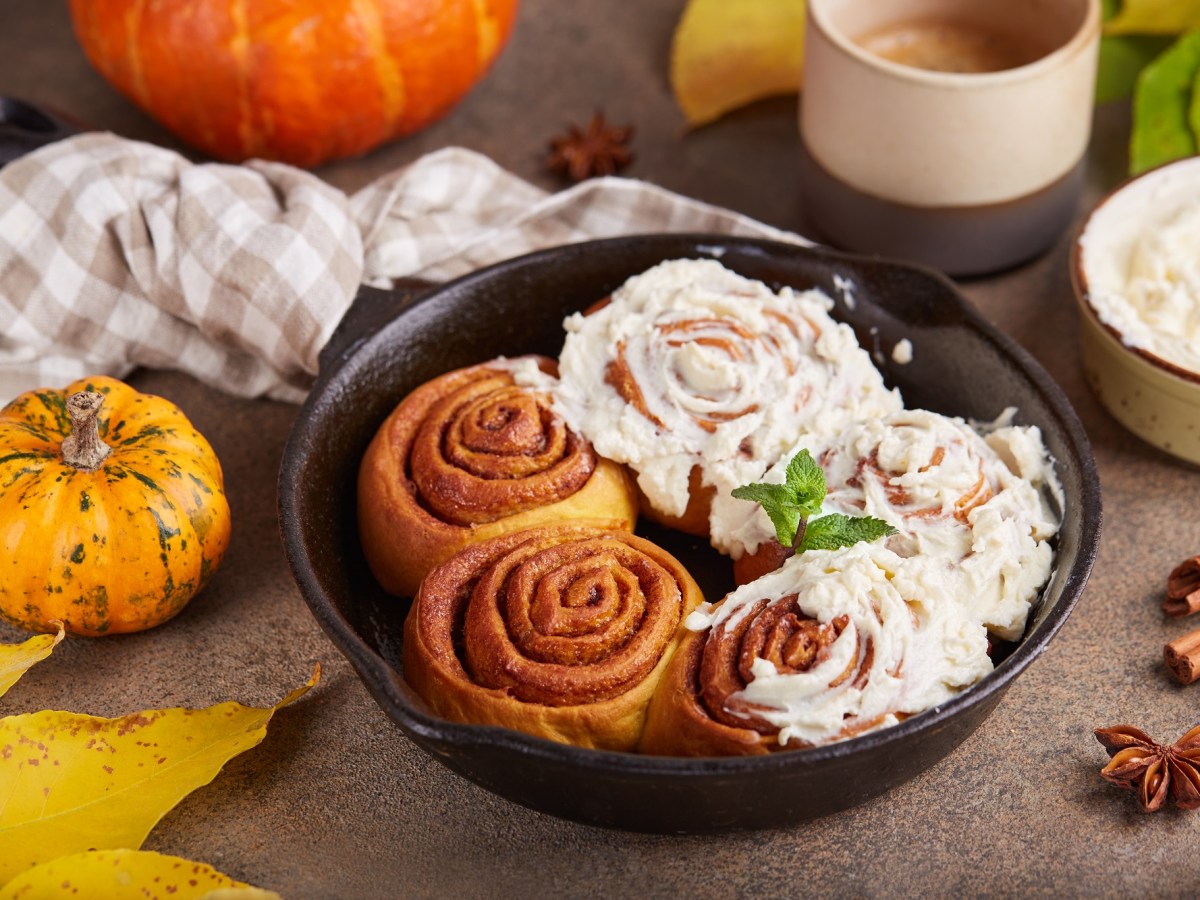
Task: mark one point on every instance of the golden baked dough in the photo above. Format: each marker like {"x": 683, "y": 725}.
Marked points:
{"x": 471, "y": 455}
{"x": 560, "y": 631}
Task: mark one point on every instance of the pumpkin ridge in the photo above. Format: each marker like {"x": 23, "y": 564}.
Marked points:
{"x": 146, "y": 431}
{"x": 387, "y": 68}
{"x": 487, "y": 34}
{"x": 239, "y": 49}
{"x": 146, "y": 480}
{"x": 165, "y": 532}
{"x": 19, "y": 473}
{"x": 56, "y": 405}
{"x": 133, "y": 48}
{"x": 200, "y": 483}
{"x": 40, "y": 432}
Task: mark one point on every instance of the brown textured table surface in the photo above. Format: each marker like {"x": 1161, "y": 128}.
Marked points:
{"x": 336, "y": 802}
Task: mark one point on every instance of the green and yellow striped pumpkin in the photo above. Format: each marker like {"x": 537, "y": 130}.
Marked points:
{"x": 112, "y": 509}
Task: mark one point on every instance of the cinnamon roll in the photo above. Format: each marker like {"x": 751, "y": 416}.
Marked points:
{"x": 473, "y": 454}
{"x": 699, "y": 379}
{"x": 974, "y": 509}
{"x": 560, "y": 631}
{"x": 830, "y": 645}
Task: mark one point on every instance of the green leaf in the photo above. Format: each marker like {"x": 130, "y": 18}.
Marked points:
{"x": 1108, "y": 9}
{"x": 807, "y": 483}
{"x": 801, "y": 495}
{"x": 1161, "y": 104}
{"x": 836, "y": 530}
{"x": 1154, "y": 17}
{"x": 776, "y": 501}
{"x": 785, "y": 504}
{"x": 1122, "y": 60}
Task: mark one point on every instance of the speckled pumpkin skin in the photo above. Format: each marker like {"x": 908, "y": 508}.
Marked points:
{"x": 122, "y": 548}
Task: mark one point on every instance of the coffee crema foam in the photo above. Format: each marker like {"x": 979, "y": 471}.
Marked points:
{"x": 944, "y": 45}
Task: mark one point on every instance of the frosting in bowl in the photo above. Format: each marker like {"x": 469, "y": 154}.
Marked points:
{"x": 1140, "y": 255}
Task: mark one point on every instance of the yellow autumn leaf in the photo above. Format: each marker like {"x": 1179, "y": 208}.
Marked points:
{"x": 1154, "y": 17}
{"x": 727, "y": 54}
{"x": 128, "y": 875}
{"x": 15, "y": 659}
{"x": 71, "y": 782}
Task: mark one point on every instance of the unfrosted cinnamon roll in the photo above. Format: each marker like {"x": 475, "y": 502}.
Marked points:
{"x": 473, "y": 454}
{"x": 699, "y": 379}
{"x": 962, "y": 503}
{"x": 561, "y": 631}
{"x": 831, "y": 645}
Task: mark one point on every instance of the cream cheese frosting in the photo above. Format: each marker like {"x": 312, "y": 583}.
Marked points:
{"x": 901, "y": 649}
{"x": 975, "y": 512}
{"x": 1141, "y": 257}
{"x": 692, "y": 365}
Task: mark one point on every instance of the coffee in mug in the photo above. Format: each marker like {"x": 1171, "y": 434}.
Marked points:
{"x": 946, "y": 132}
{"x": 950, "y": 45}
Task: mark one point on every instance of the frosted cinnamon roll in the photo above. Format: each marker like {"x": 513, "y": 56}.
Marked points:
{"x": 830, "y": 645}
{"x": 699, "y": 379}
{"x": 973, "y": 510}
{"x": 470, "y": 455}
{"x": 560, "y": 631}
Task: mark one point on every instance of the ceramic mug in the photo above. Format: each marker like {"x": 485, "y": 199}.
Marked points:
{"x": 948, "y": 132}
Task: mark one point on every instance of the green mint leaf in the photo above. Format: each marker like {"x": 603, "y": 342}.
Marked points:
{"x": 786, "y": 520}
{"x": 761, "y": 493}
{"x": 806, "y": 482}
{"x": 800, "y": 496}
{"x": 836, "y": 530}
{"x": 776, "y": 501}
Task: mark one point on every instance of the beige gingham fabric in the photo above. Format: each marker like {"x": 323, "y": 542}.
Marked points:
{"x": 116, "y": 254}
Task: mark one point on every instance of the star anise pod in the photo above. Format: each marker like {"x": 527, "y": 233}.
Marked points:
{"x": 1156, "y": 771}
{"x": 598, "y": 149}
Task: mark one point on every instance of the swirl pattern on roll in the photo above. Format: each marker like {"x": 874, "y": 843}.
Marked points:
{"x": 488, "y": 448}
{"x": 969, "y": 506}
{"x": 559, "y": 631}
{"x": 471, "y": 454}
{"x": 694, "y": 368}
{"x": 826, "y": 647}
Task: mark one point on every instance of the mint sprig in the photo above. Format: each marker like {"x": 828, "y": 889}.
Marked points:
{"x": 794, "y": 505}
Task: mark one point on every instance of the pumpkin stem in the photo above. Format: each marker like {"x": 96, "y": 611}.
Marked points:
{"x": 83, "y": 448}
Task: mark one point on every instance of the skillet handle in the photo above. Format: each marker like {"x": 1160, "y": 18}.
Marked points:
{"x": 25, "y": 127}
{"x": 371, "y": 309}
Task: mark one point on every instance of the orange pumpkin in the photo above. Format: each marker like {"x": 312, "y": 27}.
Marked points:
{"x": 301, "y": 81}
{"x": 112, "y": 509}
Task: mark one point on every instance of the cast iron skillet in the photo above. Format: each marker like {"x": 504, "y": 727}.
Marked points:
{"x": 960, "y": 366}
{"x": 25, "y": 127}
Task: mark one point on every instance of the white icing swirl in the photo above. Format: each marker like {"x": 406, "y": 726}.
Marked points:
{"x": 972, "y": 512}
{"x": 900, "y": 649}
{"x": 693, "y": 365}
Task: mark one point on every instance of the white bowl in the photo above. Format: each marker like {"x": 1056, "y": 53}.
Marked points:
{"x": 1150, "y": 387}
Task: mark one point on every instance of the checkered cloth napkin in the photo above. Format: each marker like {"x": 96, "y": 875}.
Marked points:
{"x": 116, "y": 254}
